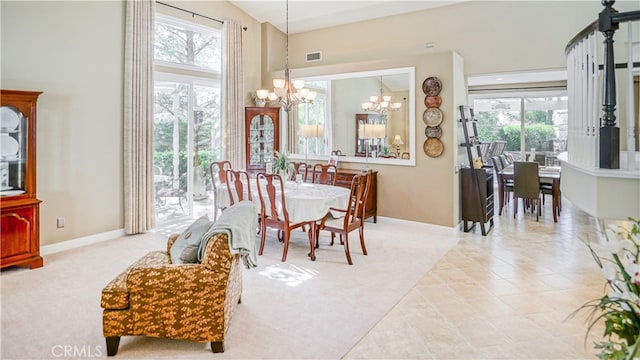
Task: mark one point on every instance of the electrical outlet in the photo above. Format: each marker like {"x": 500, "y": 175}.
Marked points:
{"x": 60, "y": 222}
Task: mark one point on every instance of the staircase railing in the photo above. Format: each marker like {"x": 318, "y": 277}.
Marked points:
{"x": 594, "y": 137}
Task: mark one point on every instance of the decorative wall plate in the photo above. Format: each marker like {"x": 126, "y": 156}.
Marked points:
{"x": 432, "y": 117}
{"x": 433, "y": 131}
{"x": 431, "y": 86}
{"x": 433, "y": 147}
{"x": 432, "y": 101}
{"x": 9, "y": 118}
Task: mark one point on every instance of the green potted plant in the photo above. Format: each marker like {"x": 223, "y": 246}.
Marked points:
{"x": 619, "y": 260}
{"x": 282, "y": 165}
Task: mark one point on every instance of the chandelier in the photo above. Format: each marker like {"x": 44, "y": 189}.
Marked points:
{"x": 286, "y": 91}
{"x": 381, "y": 104}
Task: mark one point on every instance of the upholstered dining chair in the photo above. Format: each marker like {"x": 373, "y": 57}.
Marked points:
{"x": 324, "y": 174}
{"x": 353, "y": 216}
{"x": 218, "y": 170}
{"x": 503, "y": 159}
{"x": 274, "y": 212}
{"x": 507, "y": 186}
{"x": 238, "y": 186}
{"x": 405, "y": 155}
{"x": 526, "y": 185}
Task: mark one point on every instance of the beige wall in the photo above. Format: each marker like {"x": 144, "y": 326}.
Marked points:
{"x": 73, "y": 52}
{"x": 77, "y": 64}
{"x": 492, "y": 36}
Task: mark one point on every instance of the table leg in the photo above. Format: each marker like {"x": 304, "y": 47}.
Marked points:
{"x": 555, "y": 191}
{"x": 500, "y": 193}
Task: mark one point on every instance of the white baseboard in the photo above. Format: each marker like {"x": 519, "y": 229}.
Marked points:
{"x": 83, "y": 241}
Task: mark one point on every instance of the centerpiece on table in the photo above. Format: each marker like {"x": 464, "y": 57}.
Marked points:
{"x": 620, "y": 307}
{"x": 282, "y": 165}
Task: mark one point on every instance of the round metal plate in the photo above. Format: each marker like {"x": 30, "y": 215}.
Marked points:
{"x": 432, "y": 117}
{"x": 433, "y": 147}
{"x": 431, "y": 86}
{"x": 433, "y": 131}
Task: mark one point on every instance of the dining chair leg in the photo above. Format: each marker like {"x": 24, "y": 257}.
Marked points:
{"x": 346, "y": 248}
{"x": 286, "y": 245}
{"x": 313, "y": 240}
{"x": 263, "y": 235}
{"x": 364, "y": 248}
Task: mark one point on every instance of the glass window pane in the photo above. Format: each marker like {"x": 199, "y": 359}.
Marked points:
{"x": 499, "y": 120}
{"x": 182, "y": 45}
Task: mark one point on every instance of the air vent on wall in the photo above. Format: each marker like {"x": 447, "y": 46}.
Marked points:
{"x": 314, "y": 56}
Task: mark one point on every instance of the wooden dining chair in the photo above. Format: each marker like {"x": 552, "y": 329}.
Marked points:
{"x": 526, "y": 185}
{"x": 238, "y": 186}
{"x": 324, "y": 174}
{"x": 274, "y": 212}
{"x": 353, "y": 216}
{"x": 300, "y": 168}
{"x": 218, "y": 171}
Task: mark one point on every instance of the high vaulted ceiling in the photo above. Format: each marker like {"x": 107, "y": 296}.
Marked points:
{"x": 306, "y": 15}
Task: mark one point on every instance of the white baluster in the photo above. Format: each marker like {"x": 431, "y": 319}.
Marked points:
{"x": 631, "y": 140}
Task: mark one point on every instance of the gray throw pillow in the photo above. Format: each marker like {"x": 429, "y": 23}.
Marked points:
{"x": 185, "y": 249}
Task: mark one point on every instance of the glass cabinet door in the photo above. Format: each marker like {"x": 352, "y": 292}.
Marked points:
{"x": 13, "y": 156}
{"x": 262, "y": 137}
{"x": 261, "y": 140}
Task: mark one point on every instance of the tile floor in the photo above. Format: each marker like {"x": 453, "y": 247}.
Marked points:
{"x": 503, "y": 296}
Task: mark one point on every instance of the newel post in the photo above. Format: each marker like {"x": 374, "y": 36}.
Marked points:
{"x": 609, "y": 132}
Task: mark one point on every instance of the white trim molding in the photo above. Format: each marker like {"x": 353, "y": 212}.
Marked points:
{"x": 79, "y": 242}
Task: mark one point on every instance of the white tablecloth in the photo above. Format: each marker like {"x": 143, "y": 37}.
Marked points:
{"x": 305, "y": 202}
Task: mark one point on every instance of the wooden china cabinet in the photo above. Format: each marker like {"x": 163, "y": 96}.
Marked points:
{"x": 262, "y": 129}
{"x": 20, "y": 208}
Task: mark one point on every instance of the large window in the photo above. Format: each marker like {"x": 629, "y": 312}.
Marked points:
{"x": 188, "y": 131}
{"x": 537, "y": 122}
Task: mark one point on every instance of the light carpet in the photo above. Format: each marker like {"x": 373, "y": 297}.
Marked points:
{"x": 293, "y": 310}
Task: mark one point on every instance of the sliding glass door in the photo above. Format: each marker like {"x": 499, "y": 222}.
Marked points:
{"x": 536, "y": 122}
{"x": 187, "y": 138}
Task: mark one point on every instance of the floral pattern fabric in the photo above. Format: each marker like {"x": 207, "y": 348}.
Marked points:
{"x": 188, "y": 301}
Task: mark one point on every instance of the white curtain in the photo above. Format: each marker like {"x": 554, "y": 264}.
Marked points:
{"x": 233, "y": 93}
{"x": 139, "y": 211}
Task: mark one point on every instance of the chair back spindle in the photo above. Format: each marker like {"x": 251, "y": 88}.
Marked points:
{"x": 238, "y": 186}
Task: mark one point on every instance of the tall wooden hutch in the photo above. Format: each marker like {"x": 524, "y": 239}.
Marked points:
{"x": 20, "y": 208}
{"x": 262, "y": 129}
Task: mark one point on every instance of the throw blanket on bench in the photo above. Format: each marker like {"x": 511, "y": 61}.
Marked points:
{"x": 239, "y": 222}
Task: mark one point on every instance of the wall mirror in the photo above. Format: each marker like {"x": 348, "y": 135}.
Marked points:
{"x": 366, "y": 116}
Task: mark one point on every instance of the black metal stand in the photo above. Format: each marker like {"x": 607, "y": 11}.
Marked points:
{"x": 481, "y": 210}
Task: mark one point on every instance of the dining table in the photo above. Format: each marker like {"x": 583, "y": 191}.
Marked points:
{"x": 305, "y": 202}
{"x": 548, "y": 174}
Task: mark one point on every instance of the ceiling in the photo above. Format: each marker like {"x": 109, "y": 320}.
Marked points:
{"x": 307, "y": 15}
